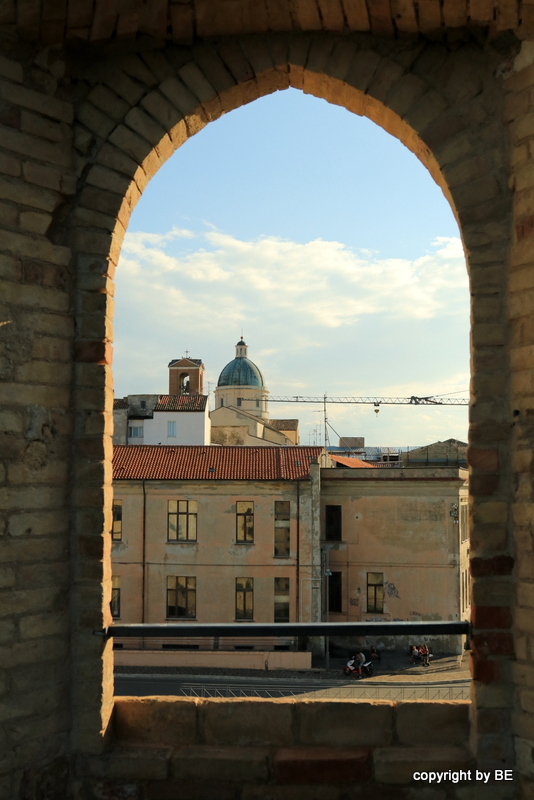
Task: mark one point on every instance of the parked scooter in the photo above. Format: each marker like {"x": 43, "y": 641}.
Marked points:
{"x": 352, "y": 668}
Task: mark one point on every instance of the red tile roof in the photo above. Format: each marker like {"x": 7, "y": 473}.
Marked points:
{"x": 205, "y": 462}
{"x": 355, "y": 463}
{"x": 181, "y": 402}
{"x": 120, "y": 402}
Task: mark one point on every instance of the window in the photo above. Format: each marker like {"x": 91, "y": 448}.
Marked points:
{"x": 244, "y": 598}
{"x": 222, "y": 401}
{"x": 184, "y": 383}
{"x": 181, "y": 597}
{"x": 334, "y": 593}
{"x": 171, "y": 430}
{"x": 239, "y": 401}
{"x": 257, "y": 403}
{"x": 142, "y": 405}
{"x": 181, "y": 520}
{"x": 116, "y": 530}
{"x": 244, "y": 521}
{"x": 135, "y": 432}
{"x": 464, "y": 522}
{"x": 281, "y": 528}
{"x": 281, "y": 599}
{"x": 115, "y": 604}
{"x": 332, "y": 530}
{"x": 375, "y": 592}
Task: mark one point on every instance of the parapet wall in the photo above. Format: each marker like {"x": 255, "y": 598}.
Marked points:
{"x": 255, "y": 659}
{"x": 288, "y": 748}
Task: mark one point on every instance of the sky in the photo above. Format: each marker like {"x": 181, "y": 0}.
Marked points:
{"x": 322, "y": 240}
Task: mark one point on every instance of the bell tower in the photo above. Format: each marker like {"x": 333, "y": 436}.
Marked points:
{"x": 186, "y": 376}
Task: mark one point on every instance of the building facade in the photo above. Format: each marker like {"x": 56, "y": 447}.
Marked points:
{"x": 396, "y": 543}
{"x": 224, "y": 534}
{"x": 215, "y": 534}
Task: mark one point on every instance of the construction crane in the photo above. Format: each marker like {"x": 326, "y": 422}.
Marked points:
{"x": 432, "y": 400}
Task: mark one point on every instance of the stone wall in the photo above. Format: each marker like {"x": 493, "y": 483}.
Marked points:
{"x": 83, "y": 128}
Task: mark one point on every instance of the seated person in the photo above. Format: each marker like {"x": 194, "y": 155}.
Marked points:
{"x": 415, "y": 656}
{"x": 375, "y": 655}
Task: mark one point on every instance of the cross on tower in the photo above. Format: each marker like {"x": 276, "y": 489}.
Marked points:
{"x": 187, "y": 353}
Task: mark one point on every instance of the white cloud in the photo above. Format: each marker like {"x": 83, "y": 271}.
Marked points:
{"x": 318, "y": 317}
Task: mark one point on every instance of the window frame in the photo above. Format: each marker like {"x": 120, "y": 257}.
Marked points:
{"x": 279, "y": 593}
{"x": 171, "y": 426}
{"x": 178, "y": 514}
{"x": 248, "y": 522}
{"x": 115, "y": 602}
{"x": 375, "y": 603}
{"x": 335, "y": 585}
{"x": 248, "y": 592}
{"x": 189, "y": 590}
{"x": 116, "y": 533}
{"x": 279, "y": 516}
{"x": 333, "y": 527}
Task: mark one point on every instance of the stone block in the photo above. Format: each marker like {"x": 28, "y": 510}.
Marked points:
{"x": 131, "y": 143}
{"x": 432, "y": 723}
{"x": 346, "y": 723}
{"x": 396, "y": 765}
{"x": 220, "y": 764}
{"x": 11, "y": 69}
{"x": 155, "y": 720}
{"x": 107, "y": 101}
{"x": 247, "y": 722}
{"x": 132, "y": 764}
{"x": 302, "y": 792}
{"x": 327, "y": 765}
{"x": 34, "y": 147}
{"x": 37, "y": 101}
{"x": 186, "y": 790}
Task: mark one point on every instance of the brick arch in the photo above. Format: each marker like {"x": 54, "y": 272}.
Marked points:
{"x": 444, "y": 105}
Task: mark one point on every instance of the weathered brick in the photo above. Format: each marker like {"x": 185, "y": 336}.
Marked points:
{"x": 250, "y": 722}
{"x": 327, "y": 765}
{"x": 432, "y": 723}
{"x": 156, "y": 721}
{"x": 344, "y": 724}
{"x": 396, "y": 765}
{"x": 217, "y": 763}
{"x": 43, "y": 103}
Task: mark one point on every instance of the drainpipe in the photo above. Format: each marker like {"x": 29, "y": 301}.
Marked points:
{"x": 143, "y": 580}
{"x": 298, "y": 554}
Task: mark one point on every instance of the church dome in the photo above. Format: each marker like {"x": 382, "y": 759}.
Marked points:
{"x": 241, "y": 371}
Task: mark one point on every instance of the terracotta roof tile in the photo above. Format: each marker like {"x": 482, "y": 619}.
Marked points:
{"x": 205, "y": 462}
{"x": 120, "y": 402}
{"x": 182, "y": 402}
{"x": 355, "y": 463}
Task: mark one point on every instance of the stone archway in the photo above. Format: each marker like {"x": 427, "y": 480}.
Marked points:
{"x": 75, "y": 157}
{"x": 147, "y": 104}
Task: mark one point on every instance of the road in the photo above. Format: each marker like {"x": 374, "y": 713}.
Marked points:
{"x": 143, "y": 685}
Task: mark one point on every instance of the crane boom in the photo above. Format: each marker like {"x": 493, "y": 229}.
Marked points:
{"x": 374, "y": 401}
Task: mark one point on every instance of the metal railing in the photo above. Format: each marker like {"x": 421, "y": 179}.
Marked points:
{"x": 257, "y": 629}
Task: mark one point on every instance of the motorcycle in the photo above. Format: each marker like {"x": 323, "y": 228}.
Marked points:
{"x": 352, "y": 669}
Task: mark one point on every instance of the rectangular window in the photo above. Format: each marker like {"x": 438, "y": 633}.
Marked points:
{"x": 375, "y": 592}
{"x": 116, "y": 531}
{"x": 181, "y": 520}
{"x": 135, "y": 431}
{"x": 282, "y": 510}
{"x": 332, "y": 530}
{"x": 115, "y": 604}
{"x": 239, "y": 401}
{"x": 244, "y": 521}
{"x": 181, "y": 597}
{"x": 171, "y": 430}
{"x": 244, "y": 598}
{"x": 334, "y": 593}
{"x": 281, "y": 599}
{"x": 464, "y": 522}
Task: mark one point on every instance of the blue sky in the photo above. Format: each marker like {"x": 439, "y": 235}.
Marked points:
{"x": 323, "y": 239}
